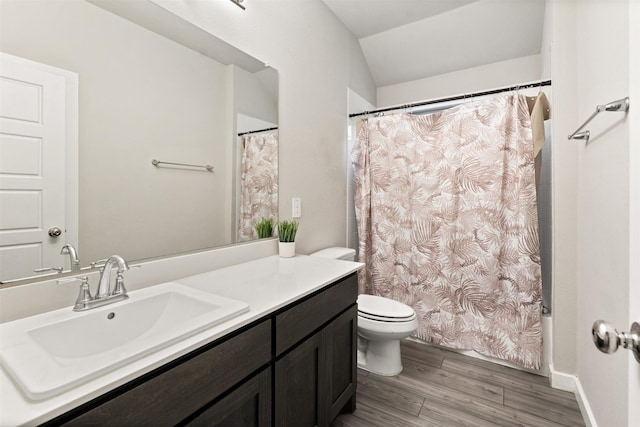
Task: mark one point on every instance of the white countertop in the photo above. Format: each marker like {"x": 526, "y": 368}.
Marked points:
{"x": 266, "y": 284}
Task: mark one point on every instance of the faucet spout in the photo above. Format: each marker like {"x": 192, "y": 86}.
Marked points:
{"x": 104, "y": 285}
{"x": 70, "y": 250}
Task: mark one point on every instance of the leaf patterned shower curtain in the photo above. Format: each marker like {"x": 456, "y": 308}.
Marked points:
{"x": 446, "y": 212}
{"x": 258, "y": 182}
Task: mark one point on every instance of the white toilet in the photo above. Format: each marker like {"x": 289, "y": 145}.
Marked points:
{"x": 382, "y": 323}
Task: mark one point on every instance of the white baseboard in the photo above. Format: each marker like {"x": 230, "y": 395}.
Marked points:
{"x": 585, "y": 408}
{"x": 562, "y": 381}
{"x": 567, "y": 382}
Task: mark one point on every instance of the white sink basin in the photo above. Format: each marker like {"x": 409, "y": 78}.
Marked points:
{"x": 55, "y": 351}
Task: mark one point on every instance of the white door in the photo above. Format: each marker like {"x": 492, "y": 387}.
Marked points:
{"x": 32, "y": 167}
{"x": 608, "y": 211}
{"x": 634, "y": 203}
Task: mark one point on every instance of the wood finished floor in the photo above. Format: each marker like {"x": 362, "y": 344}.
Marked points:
{"x": 444, "y": 388}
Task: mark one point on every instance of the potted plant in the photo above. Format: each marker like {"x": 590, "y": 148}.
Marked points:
{"x": 264, "y": 228}
{"x": 287, "y": 235}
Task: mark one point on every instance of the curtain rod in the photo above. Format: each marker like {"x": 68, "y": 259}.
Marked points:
{"x": 257, "y": 131}
{"x": 455, "y": 98}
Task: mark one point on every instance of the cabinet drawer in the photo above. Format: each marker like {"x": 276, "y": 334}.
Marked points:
{"x": 171, "y": 396}
{"x": 303, "y": 318}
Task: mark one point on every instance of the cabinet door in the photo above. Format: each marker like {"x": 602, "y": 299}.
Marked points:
{"x": 300, "y": 384}
{"x": 247, "y": 406}
{"x": 341, "y": 353}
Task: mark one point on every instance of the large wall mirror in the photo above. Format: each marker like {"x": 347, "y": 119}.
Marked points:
{"x": 148, "y": 85}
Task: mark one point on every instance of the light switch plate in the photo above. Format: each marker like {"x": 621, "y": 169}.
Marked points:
{"x": 296, "y": 207}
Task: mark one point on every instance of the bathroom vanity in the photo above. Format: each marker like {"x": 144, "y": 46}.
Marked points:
{"x": 290, "y": 360}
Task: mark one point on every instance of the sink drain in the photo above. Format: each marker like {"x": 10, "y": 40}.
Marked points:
{"x": 111, "y": 315}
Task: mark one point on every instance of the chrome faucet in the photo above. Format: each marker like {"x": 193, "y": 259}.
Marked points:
{"x": 68, "y": 249}
{"x": 104, "y": 295}
{"x": 104, "y": 285}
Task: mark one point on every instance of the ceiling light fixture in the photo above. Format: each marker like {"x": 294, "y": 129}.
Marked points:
{"x": 238, "y": 3}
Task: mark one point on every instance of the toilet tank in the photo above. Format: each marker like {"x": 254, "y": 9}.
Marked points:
{"x": 346, "y": 254}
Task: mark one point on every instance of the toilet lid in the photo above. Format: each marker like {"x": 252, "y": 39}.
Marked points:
{"x": 379, "y": 308}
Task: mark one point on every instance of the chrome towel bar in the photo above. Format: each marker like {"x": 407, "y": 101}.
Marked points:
{"x": 621, "y": 105}
{"x": 155, "y": 162}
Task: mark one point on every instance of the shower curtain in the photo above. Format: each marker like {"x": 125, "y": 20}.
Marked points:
{"x": 258, "y": 182}
{"x": 446, "y": 213}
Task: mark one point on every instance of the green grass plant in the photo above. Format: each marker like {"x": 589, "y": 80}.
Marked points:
{"x": 264, "y": 228}
{"x": 287, "y": 230}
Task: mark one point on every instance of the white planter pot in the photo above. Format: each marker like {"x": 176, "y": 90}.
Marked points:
{"x": 287, "y": 249}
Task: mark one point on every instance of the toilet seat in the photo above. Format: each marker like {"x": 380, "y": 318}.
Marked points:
{"x": 385, "y": 319}
{"x": 382, "y": 309}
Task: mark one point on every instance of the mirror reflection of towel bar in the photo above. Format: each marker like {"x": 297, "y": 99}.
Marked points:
{"x": 155, "y": 162}
{"x": 585, "y": 134}
{"x": 621, "y": 105}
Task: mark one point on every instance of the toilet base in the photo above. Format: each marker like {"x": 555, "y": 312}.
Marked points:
{"x": 380, "y": 357}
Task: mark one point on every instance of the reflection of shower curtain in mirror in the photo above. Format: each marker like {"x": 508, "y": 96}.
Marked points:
{"x": 258, "y": 182}
{"x": 446, "y": 210}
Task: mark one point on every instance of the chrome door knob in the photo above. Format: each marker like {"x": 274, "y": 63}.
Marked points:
{"x": 607, "y": 339}
{"x": 55, "y": 232}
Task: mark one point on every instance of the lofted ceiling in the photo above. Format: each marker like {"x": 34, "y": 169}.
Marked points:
{"x": 406, "y": 40}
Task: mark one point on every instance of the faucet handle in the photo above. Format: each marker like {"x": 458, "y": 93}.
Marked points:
{"x": 99, "y": 263}
{"x": 45, "y": 269}
{"x": 84, "y": 296}
{"x": 73, "y": 279}
{"x": 119, "y": 288}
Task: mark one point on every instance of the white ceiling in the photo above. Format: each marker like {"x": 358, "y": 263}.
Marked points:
{"x": 406, "y": 40}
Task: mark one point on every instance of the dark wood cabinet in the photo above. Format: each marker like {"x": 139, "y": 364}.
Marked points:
{"x": 176, "y": 391}
{"x": 294, "y": 367}
{"x": 302, "y": 319}
{"x": 317, "y": 379}
{"x": 249, "y": 406}
{"x": 301, "y": 380}
{"x": 341, "y": 342}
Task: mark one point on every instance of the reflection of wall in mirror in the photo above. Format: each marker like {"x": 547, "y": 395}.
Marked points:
{"x": 256, "y": 96}
{"x": 133, "y": 86}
